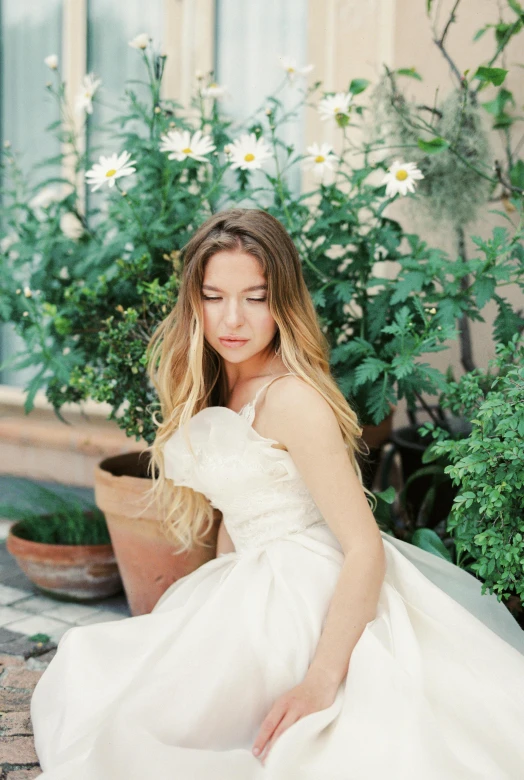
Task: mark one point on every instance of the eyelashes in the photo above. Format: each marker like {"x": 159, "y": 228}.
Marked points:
{"x": 258, "y": 300}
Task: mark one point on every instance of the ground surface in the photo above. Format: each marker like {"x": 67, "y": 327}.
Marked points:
{"x": 30, "y": 627}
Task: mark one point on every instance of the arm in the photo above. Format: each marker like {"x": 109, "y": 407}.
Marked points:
{"x": 224, "y": 542}
{"x": 318, "y": 450}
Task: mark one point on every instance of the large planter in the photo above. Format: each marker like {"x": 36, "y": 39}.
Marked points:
{"x": 149, "y": 563}
{"x": 411, "y": 448}
{"x": 375, "y": 436}
{"x": 66, "y": 571}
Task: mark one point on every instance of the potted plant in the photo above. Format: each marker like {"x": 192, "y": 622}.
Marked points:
{"x": 61, "y": 543}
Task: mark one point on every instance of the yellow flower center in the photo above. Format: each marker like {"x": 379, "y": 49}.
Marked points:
{"x": 401, "y": 175}
{"x": 249, "y": 157}
{"x": 291, "y": 69}
{"x": 320, "y": 158}
{"x": 187, "y": 150}
{"x": 214, "y": 85}
{"x": 337, "y": 110}
{"x": 110, "y": 172}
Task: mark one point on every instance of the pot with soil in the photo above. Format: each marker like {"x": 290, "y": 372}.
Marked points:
{"x": 149, "y": 563}
{"x": 66, "y": 552}
{"x": 428, "y": 493}
{"x": 375, "y": 436}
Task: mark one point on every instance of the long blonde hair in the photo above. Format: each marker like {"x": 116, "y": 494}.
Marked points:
{"x": 189, "y": 375}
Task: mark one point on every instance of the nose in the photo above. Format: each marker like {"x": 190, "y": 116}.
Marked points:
{"x": 234, "y": 315}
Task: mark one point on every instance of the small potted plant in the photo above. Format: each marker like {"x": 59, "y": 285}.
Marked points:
{"x": 62, "y": 544}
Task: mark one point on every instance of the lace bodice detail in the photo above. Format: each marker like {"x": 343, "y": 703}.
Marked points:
{"x": 255, "y": 485}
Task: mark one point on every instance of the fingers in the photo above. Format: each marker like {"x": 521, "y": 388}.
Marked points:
{"x": 268, "y": 727}
{"x": 284, "y": 724}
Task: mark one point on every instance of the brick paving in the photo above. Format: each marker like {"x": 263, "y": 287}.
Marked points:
{"x": 22, "y": 662}
{"x": 30, "y": 626}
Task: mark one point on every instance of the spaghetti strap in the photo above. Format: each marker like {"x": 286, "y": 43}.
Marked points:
{"x": 248, "y": 410}
{"x": 289, "y": 373}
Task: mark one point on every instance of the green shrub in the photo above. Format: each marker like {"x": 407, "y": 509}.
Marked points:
{"x": 487, "y": 520}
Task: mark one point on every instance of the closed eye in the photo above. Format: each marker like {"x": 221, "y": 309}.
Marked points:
{"x": 208, "y": 298}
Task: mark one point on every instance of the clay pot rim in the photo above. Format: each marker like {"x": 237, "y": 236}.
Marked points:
{"x": 103, "y": 467}
{"x": 29, "y": 543}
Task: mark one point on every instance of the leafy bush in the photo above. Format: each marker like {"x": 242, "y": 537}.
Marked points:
{"x": 487, "y": 520}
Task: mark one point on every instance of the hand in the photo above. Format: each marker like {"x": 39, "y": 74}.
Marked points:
{"x": 314, "y": 694}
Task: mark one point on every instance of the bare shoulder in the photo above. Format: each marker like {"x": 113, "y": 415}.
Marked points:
{"x": 299, "y": 413}
{"x": 294, "y": 392}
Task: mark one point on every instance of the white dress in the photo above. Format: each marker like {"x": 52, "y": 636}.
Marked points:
{"x": 435, "y": 688}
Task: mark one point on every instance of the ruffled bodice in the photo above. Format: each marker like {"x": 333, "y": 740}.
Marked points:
{"x": 255, "y": 485}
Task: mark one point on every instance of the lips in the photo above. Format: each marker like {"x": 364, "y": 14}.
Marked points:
{"x": 233, "y": 342}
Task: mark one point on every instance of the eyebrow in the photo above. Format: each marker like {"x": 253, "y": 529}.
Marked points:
{"x": 248, "y": 289}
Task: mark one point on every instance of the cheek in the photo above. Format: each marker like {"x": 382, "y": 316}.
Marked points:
{"x": 266, "y": 323}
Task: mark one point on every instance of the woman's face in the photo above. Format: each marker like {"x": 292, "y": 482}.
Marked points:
{"x": 234, "y": 299}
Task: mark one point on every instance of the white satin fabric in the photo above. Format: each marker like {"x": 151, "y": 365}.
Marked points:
{"x": 435, "y": 689}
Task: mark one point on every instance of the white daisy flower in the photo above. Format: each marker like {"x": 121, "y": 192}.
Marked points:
{"x": 247, "y": 152}
{"x": 108, "y": 169}
{"x": 84, "y": 99}
{"x": 71, "y": 226}
{"x": 140, "y": 41}
{"x": 51, "y": 61}
{"x": 182, "y": 145}
{"x": 64, "y": 272}
{"x": 400, "y": 178}
{"x": 215, "y": 91}
{"x": 27, "y": 292}
{"x": 44, "y": 198}
{"x": 289, "y": 64}
{"x": 334, "y": 106}
{"x": 380, "y": 253}
{"x": 7, "y": 242}
{"x": 320, "y": 159}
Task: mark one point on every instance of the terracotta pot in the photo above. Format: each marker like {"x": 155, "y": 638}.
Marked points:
{"x": 67, "y": 571}
{"x": 376, "y": 435}
{"x": 149, "y": 563}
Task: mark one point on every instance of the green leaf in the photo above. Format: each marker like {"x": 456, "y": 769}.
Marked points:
{"x": 483, "y": 290}
{"x": 481, "y": 32}
{"x": 516, "y": 7}
{"x": 493, "y": 76}
{"x": 428, "y": 540}
{"x": 507, "y": 322}
{"x": 428, "y": 6}
{"x": 32, "y": 388}
{"x": 358, "y": 85}
{"x": 498, "y": 105}
{"x": 387, "y": 495}
{"x": 369, "y": 370}
{"x": 410, "y": 72}
{"x": 40, "y": 638}
{"x": 412, "y": 283}
{"x": 516, "y": 174}
{"x": 434, "y": 146}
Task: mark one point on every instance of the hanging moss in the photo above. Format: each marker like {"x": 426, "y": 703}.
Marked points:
{"x": 453, "y": 189}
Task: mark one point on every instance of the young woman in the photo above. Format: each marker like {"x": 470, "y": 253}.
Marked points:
{"x": 313, "y": 647}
